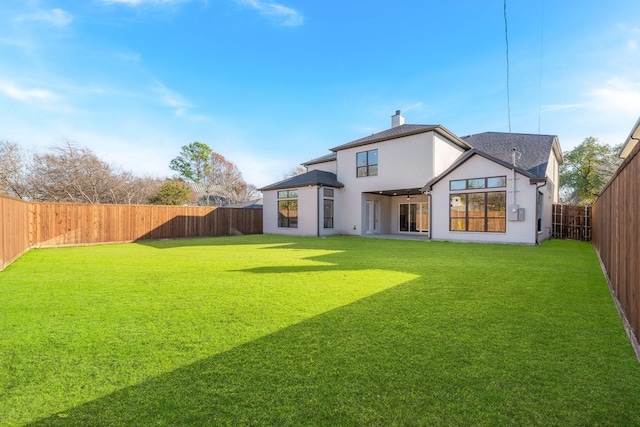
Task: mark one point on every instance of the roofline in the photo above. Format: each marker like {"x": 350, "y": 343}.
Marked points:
{"x": 439, "y": 129}
{"x": 319, "y": 160}
{"x": 633, "y": 135}
{"x": 557, "y": 150}
{"x": 466, "y": 156}
{"x": 286, "y": 183}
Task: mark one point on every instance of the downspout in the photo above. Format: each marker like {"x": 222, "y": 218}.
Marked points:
{"x": 430, "y": 214}
{"x": 513, "y": 157}
{"x": 543, "y": 183}
{"x": 318, "y": 212}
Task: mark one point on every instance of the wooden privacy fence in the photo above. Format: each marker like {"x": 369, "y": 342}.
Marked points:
{"x": 616, "y": 237}
{"x": 572, "y": 222}
{"x": 27, "y": 225}
{"x": 14, "y": 230}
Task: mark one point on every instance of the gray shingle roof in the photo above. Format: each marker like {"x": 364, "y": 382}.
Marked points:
{"x": 327, "y": 158}
{"x": 534, "y": 149}
{"x": 400, "y": 131}
{"x": 314, "y": 177}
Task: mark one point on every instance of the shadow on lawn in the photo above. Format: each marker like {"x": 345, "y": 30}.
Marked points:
{"x": 253, "y": 239}
{"x": 335, "y": 368}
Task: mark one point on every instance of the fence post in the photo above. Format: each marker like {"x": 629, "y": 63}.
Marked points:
{"x": 586, "y": 218}
{"x": 561, "y": 223}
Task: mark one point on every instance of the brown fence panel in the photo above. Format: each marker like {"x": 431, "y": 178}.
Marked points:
{"x": 572, "y": 222}
{"x": 24, "y": 225}
{"x": 14, "y": 229}
{"x": 616, "y": 235}
{"x": 59, "y": 224}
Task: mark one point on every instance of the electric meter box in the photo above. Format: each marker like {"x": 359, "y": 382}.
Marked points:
{"x": 515, "y": 213}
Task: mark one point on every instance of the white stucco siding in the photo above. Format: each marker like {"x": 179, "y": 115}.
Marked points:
{"x": 445, "y": 154}
{"x": 307, "y": 213}
{"x": 520, "y": 232}
{"x": 331, "y": 166}
{"x": 553, "y": 175}
{"x": 402, "y": 163}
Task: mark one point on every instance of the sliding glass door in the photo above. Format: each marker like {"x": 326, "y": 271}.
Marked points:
{"x": 414, "y": 217}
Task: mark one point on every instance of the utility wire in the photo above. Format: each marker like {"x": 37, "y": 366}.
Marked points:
{"x": 540, "y": 83}
{"x": 506, "y": 38}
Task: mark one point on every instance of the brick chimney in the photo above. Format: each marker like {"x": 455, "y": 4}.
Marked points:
{"x": 397, "y": 119}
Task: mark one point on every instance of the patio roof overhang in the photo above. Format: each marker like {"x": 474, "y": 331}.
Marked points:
{"x": 400, "y": 192}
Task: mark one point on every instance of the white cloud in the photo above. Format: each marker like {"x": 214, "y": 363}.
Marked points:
{"x": 558, "y": 107}
{"x": 170, "y": 98}
{"x": 617, "y": 94}
{"x": 11, "y": 90}
{"x": 56, "y": 17}
{"x": 283, "y": 15}
{"x": 143, "y": 2}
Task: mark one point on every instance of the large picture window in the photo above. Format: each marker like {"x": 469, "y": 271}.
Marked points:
{"x": 478, "y": 211}
{"x": 367, "y": 163}
{"x": 288, "y": 209}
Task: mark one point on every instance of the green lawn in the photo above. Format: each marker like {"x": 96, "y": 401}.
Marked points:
{"x": 267, "y": 330}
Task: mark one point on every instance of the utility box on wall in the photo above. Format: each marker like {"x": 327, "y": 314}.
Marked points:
{"x": 515, "y": 213}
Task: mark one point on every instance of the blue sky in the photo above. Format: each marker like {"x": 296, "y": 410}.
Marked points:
{"x": 270, "y": 84}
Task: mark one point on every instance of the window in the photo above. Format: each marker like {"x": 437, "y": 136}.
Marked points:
{"x": 414, "y": 217}
{"x": 328, "y": 213}
{"x": 478, "y": 183}
{"x": 367, "y": 163}
{"x": 327, "y": 208}
{"x": 288, "y": 209}
{"x": 480, "y": 211}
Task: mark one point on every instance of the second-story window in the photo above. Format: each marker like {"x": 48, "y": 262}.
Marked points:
{"x": 367, "y": 163}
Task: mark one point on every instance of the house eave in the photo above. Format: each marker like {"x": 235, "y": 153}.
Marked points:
{"x": 631, "y": 141}
{"x": 466, "y": 156}
{"x": 439, "y": 129}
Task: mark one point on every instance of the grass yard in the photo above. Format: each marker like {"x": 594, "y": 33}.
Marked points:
{"x": 268, "y": 330}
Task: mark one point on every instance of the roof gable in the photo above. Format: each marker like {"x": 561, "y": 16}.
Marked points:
{"x": 534, "y": 150}
{"x": 475, "y": 152}
{"x": 314, "y": 177}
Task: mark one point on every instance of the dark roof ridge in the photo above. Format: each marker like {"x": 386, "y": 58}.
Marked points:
{"x": 314, "y": 177}
{"x": 402, "y": 131}
{"x": 509, "y": 133}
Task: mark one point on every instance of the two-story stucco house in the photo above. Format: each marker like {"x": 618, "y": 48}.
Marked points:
{"x": 424, "y": 181}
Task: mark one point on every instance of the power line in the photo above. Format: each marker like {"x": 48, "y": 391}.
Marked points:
{"x": 540, "y": 83}
{"x": 506, "y": 39}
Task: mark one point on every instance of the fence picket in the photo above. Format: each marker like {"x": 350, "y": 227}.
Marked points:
{"x": 25, "y": 225}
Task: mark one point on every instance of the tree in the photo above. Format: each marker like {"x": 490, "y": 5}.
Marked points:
{"x": 194, "y": 162}
{"x": 586, "y": 170}
{"x": 295, "y": 172}
{"x": 12, "y": 170}
{"x": 173, "y": 192}
{"x": 69, "y": 173}
{"x": 227, "y": 182}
